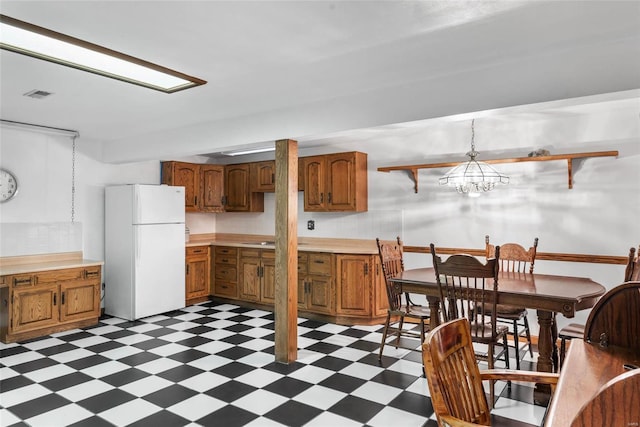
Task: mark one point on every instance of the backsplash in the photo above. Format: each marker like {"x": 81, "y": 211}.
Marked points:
{"x": 31, "y": 238}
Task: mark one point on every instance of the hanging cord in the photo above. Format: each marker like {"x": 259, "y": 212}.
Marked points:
{"x": 73, "y": 179}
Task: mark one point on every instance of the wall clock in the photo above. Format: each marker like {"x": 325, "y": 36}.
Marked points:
{"x": 8, "y": 185}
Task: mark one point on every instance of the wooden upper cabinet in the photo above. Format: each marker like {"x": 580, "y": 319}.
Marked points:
{"x": 335, "y": 182}
{"x": 314, "y": 170}
{"x": 212, "y": 188}
{"x": 238, "y": 195}
{"x": 263, "y": 176}
{"x": 186, "y": 175}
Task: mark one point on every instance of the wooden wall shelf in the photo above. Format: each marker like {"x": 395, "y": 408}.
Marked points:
{"x": 413, "y": 169}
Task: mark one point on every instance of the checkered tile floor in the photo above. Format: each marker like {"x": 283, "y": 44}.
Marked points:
{"x": 213, "y": 364}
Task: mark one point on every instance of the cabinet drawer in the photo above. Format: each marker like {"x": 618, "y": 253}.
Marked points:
{"x": 92, "y": 272}
{"x": 198, "y": 250}
{"x": 320, "y": 264}
{"x": 59, "y": 275}
{"x": 268, "y": 254}
{"x": 250, "y": 253}
{"x": 226, "y": 289}
{"x": 302, "y": 262}
{"x": 223, "y": 272}
{"x": 225, "y": 255}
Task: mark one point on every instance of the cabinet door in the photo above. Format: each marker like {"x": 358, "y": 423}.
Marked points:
{"x": 341, "y": 182}
{"x": 320, "y": 294}
{"x": 268, "y": 278}
{"x": 34, "y": 307}
{"x": 381, "y": 301}
{"x": 249, "y": 278}
{"x": 211, "y": 188}
{"x": 238, "y": 195}
{"x": 197, "y": 277}
{"x": 186, "y": 175}
{"x": 354, "y": 285}
{"x": 315, "y": 182}
{"x": 79, "y": 300}
{"x": 263, "y": 176}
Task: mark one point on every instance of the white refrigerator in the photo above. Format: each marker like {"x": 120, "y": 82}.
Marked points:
{"x": 144, "y": 250}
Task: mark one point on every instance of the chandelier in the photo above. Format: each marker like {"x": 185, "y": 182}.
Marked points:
{"x": 473, "y": 177}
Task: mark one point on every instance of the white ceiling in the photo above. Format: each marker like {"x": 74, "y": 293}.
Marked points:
{"x": 311, "y": 69}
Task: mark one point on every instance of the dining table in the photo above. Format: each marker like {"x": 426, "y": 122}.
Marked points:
{"x": 547, "y": 294}
{"x": 586, "y": 368}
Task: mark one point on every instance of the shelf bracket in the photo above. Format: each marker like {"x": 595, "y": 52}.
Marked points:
{"x": 414, "y": 174}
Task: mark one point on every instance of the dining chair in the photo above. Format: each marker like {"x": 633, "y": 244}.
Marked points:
{"x": 615, "y": 319}
{"x": 400, "y": 304}
{"x": 455, "y": 380}
{"x": 615, "y": 404}
{"x": 468, "y": 289}
{"x": 576, "y": 330}
{"x": 515, "y": 258}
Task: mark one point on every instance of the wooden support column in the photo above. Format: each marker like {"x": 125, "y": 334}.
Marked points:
{"x": 286, "y": 304}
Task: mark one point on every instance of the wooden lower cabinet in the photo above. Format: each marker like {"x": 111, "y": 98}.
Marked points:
{"x": 225, "y": 272}
{"x": 257, "y": 275}
{"x": 342, "y": 288}
{"x": 198, "y": 274}
{"x": 45, "y": 302}
{"x": 315, "y": 282}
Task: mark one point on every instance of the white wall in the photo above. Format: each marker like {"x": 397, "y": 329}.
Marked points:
{"x": 595, "y": 217}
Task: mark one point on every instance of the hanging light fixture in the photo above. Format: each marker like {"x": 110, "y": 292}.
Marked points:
{"x": 473, "y": 177}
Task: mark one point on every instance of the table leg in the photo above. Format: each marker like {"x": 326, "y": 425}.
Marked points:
{"x": 542, "y": 392}
{"x": 434, "y": 308}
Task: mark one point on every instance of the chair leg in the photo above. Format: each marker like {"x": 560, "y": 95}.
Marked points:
{"x": 399, "y": 331}
{"x": 516, "y": 343}
{"x": 491, "y": 382}
{"x": 384, "y": 335}
{"x": 563, "y": 349}
{"x": 528, "y": 332}
{"x": 506, "y": 350}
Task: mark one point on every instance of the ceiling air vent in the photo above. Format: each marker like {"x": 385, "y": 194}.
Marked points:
{"x": 38, "y": 94}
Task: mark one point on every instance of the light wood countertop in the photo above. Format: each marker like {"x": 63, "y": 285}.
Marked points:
{"x": 44, "y": 262}
{"x": 305, "y": 244}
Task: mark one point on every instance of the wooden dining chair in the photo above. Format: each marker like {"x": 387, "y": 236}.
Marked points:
{"x": 615, "y": 319}
{"x": 400, "y": 304}
{"x": 515, "y": 258}
{"x": 576, "y": 330}
{"x": 455, "y": 380}
{"x": 615, "y": 404}
{"x": 468, "y": 289}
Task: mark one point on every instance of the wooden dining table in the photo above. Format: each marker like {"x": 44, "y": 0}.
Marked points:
{"x": 547, "y": 294}
{"x": 586, "y": 368}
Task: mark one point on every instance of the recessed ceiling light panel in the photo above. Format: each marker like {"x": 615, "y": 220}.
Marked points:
{"x": 38, "y": 42}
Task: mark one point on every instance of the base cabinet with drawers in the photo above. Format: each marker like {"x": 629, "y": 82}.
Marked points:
{"x": 257, "y": 275}
{"x": 197, "y": 274}
{"x": 315, "y": 282}
{"x": 225, "y": 272}
{"x": 45, "y": 302}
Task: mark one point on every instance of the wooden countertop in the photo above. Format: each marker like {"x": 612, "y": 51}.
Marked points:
{"x": 44, "y": 262}
{"x": 305, "y": 244}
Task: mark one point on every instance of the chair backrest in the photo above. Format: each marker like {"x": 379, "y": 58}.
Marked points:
{"x": 390, "y": 252}
{"x": 468, "y": 288}
{"x": 615, "y": 319}
{"x": 615, "y": 404}
{"x": 513, "y": 257}
{"x": 453, "y": 374}
{"x": 632, "y": 272}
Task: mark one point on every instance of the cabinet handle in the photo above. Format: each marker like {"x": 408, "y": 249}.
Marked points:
{"x": 366, "y": 269}
{"x": 62, "y": 299}
{"x": 224, "y": 260}
{"x": 187, "y": 269}
{"x": 273, "y": 178}
{"x": 319, "y": 261}
{"x": 55, "y": 299}
{"x": 329, "y": 198}
{"x": 321, "y": 197}
{"x": 21, "y": 282}
{"x": 195, "y": 200}
{"x": 224, "y": 200}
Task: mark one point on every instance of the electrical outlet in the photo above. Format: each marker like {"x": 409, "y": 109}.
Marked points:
{"x": 311, "y": 224}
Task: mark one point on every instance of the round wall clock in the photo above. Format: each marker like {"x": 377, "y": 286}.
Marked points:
{"x": 8, "y": 185}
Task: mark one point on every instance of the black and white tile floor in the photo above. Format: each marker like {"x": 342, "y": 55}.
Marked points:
{"x": 213, "y": 365}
